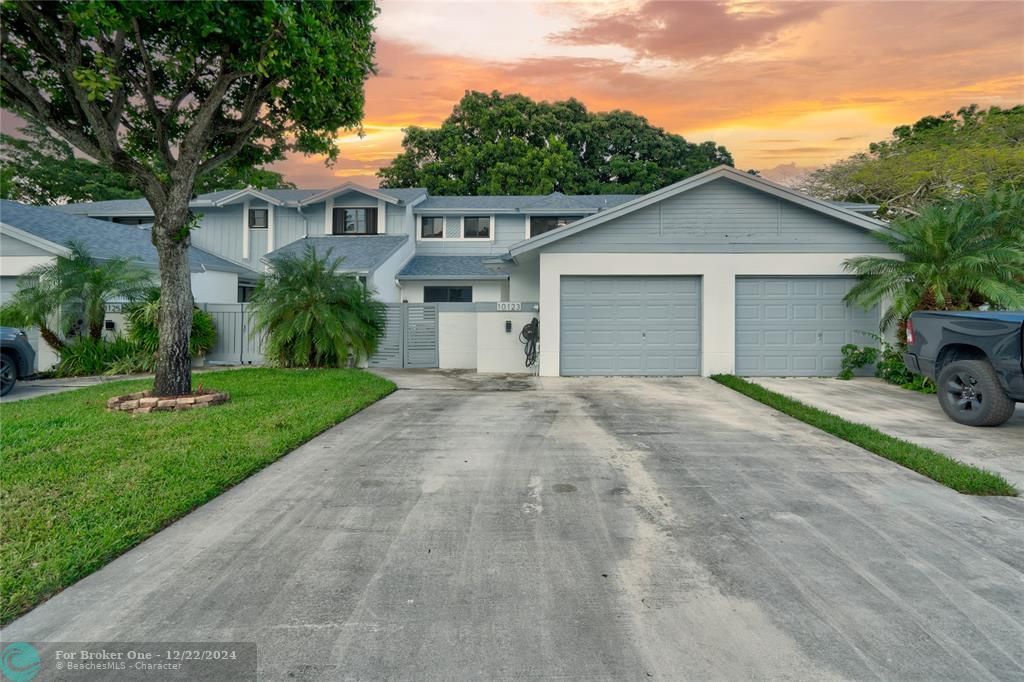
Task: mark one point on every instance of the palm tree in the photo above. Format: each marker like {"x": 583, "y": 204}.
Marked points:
{"x": 950, "y": 257}
{"x": 314, "y": 314}
{"x": 78, "y": 286}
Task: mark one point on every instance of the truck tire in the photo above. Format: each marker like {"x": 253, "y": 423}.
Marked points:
{"x": 969, "y": 393}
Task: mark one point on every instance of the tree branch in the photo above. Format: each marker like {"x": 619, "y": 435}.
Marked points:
{"x": 149, "y": 94}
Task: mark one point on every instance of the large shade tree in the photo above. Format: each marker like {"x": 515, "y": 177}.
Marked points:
{"x": 511, "y": 144}
{"x": 944, "y": 158}
{"x": 38, "y": 168}
{"x": 167, "y": 92}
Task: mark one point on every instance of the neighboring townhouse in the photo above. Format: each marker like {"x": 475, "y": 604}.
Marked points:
{"x": 34, "y": 235}
{"x": 722, "y": 272}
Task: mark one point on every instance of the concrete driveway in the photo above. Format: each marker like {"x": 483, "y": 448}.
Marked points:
{"x": 914, "y": 417}
{"x": 576, "y": 528}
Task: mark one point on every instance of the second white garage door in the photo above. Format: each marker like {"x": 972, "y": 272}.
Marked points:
{"x": 630, "y": 326}
{"x": 797, "y": 326}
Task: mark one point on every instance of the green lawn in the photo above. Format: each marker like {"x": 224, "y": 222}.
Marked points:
{"x": 80, "y": 485}
{"x": 949, "y": 472}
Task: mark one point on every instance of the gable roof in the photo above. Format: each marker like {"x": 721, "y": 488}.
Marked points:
{"x": 103, "y": 239}
{"x": 719, "y": 172}
{"x": 223, "y": 197}
{"x": 361, "y": 253}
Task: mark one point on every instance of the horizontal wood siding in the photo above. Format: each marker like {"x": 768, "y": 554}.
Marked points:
{"x": 721, "y": 216}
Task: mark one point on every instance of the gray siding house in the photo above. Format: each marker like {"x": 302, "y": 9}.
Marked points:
{"x": 722, "y": 272}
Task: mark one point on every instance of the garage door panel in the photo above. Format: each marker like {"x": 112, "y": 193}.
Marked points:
{"x": 800, "y": 332}
{"x": 630, "y": 325}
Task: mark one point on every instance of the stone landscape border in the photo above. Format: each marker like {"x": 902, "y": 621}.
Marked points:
{"x": 144, "y": 402}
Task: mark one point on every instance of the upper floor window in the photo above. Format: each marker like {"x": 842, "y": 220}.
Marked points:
{"x": 258, "y": 218}
{"x": 539, "y": 224}
{"x": 355, "y": 221}
{"x": 431, "y": 227}
{"x": 476, "y": 227}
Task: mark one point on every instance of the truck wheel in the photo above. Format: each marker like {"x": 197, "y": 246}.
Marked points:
{"x": 969, "y": 393}
{"x": 8, "y": 374}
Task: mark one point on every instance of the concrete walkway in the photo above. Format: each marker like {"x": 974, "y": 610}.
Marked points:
{"x": 484, "y": 528}
{"x": 914, "y": 417}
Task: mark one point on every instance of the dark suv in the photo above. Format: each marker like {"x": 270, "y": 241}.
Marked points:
{"x": 17, "y": 359}
{"x": 976, "y": 360}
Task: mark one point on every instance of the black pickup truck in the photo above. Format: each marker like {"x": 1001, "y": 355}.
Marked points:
{"x": 976, "y": 360}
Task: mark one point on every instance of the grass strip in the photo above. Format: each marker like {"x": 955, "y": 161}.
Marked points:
{"x": 963, "y": 478}
{"x": 80, "y": 485}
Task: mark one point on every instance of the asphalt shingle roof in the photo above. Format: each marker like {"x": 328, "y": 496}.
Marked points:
{"x": 101, "y": 238}
{"x": 361, "y": 253}
{"x": 555, "y": 201}
{"x": 140, "y": 207}
{"x": 449, "y": 267}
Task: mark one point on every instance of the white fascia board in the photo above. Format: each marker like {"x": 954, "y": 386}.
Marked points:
{"x": 240, "y": 195}
{"x": 348, "y": 186}
{"x": 34, "y": 240}
{"x": 693, "y": 182}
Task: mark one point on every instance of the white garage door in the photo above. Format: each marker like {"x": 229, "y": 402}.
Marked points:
{"x": 797, "y": 326}
{"x": 630, "y": 326}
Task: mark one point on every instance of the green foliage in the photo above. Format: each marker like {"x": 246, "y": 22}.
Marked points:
{"x": 78, "y": 287}
{"x": 41, "y": 169}
{"x": 143, "y": 319}
{"x": 168, "y": 92}
{"x": 939, "y": 158}
{"x": 950, "y": 257}
{"x": 92, "y": 357}
{"x": 889, "y": 365}
{"x": 82, "y": 485}
{"x": 314, "y": 314}
{"x": 949, "y": 472}
{"x": 511, "y": 144}
{"x": 856, "y": 357}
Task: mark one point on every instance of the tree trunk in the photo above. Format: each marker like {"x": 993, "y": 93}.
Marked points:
{"x": 51, "y": 338}
{"x": 170, "y": 236}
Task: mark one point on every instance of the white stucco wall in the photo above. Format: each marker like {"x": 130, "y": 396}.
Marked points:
{"x": 718, "y": 287}
{"x": 383, "y": 278}
{"x": 456, "y": 339}
{"x": 499, "y": 351}
{"x": 524, "y": 280}
{"x": 483, "y": 290}
{"x": 212, "y": 286}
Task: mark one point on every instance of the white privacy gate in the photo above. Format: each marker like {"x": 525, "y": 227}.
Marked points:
{"x": 410, "y": 336}
{"x": 236, "y": 345}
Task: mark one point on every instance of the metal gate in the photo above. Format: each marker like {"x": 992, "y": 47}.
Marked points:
{"x": 235, "y": 342}
{"x": 410, "y": 337}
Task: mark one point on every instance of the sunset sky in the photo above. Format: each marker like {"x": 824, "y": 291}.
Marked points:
{"x": 778, "y": 83}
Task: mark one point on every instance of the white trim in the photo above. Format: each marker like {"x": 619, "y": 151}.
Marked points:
{"x": 462, "y": 228}
{"x": 245, "y": 230}
{"x": 754, "y": 182}
{"x": 247, "y": 192}
{"x": 348, "y": 186}
{"x": 382, "y": 217}
{"x": 330, "y": 221}
{"x": 34, "y": 240}
{"x": 271, "y": 213}
{"x": 718, "y": 273}
{"x": 490, "y": 232}
{"x": 329, "y": 215}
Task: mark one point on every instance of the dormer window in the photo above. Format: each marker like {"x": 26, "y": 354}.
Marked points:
{"x": 539, "y": 224}
{"x": 354, "y": 221}
{"x": 258, "y": 218}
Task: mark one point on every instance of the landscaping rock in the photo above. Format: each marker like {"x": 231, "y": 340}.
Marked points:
{"x": 143, "y": 402}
